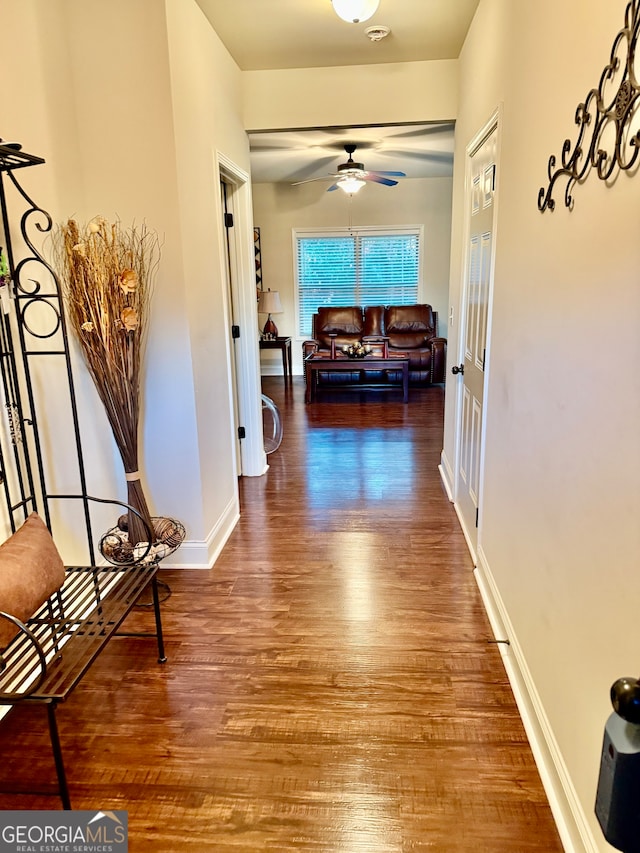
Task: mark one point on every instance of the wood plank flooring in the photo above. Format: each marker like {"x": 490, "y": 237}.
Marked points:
{"x": 332, "y": 685}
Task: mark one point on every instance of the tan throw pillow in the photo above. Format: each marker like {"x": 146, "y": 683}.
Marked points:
{"x": 31, "y": 570}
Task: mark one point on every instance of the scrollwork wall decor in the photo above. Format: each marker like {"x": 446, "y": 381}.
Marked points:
{"x": 608, "y": 121}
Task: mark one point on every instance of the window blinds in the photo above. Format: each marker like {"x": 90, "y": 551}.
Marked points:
{"x": 361, "y": 268}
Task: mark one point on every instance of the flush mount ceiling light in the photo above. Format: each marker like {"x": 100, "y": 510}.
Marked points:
{"x": 355, "y": 11}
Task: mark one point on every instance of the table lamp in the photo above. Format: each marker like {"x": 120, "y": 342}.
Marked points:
{"x": 269, "y": 303}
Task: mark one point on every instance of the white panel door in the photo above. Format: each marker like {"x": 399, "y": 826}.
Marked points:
{"x": 477, "y": 288}
{"x": 226, "y": 191}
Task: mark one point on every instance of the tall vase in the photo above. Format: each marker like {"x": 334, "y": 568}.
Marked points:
{"x": 138, "y": 532}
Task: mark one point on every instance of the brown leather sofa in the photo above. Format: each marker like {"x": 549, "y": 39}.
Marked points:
{"x": 410, "y": 329}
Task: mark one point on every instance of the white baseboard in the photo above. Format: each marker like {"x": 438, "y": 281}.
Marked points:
{"x": 202, "y": 554}
{"x": 265, "y": 370}
{"x": 446, "y": 475}
{"x": 468, "y": 539}
{"x": 568, "y": 813}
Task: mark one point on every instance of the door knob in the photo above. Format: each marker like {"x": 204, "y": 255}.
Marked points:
{"x": 457, "y": 368}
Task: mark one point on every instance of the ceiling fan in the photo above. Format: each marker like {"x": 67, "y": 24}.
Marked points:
{"x": 352, "y": 176}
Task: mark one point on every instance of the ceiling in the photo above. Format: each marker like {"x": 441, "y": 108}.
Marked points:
{"x": 308, "y": 34}
{"x": 264, "y": 35}
{"x": 418, "y": 150}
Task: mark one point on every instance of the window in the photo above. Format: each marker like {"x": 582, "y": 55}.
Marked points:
{"x": 369, "y": 266}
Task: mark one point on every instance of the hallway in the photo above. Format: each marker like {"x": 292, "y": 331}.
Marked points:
{"x": 331, "y": 685}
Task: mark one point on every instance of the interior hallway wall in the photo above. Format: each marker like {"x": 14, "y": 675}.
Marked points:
{"x": 99, "y": 99}
{"x": 279, "y": 208}
{"x": 127, "y": 160}
{"x": 559, "y": 533}
{"x": 39, "y": 112}
{"x": 207, "y": 102}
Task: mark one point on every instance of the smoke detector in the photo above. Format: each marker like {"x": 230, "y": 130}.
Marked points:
{"x": 377, "y": 33}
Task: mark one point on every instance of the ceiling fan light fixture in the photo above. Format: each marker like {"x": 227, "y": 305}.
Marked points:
{"x": 350, "y": 184}
{"x": 355, "y": 11}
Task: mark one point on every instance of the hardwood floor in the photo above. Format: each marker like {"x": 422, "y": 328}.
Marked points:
{"x": 332, "y": 685}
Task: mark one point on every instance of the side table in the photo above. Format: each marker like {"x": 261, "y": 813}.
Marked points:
{"x": 283, "y": 344}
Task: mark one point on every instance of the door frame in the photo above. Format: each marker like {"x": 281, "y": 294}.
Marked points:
{"x": 227, "y": 200}
{"x": 253, "y": 459}
{"x": 494, "y": 123}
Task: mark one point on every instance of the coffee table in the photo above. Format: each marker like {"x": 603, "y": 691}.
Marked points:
{"x": 315, "y": 363}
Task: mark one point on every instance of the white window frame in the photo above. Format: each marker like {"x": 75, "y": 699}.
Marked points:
{"x": 364, "y": 231}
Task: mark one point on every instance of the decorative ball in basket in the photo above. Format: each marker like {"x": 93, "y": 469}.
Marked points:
{"x": 357, "y": 350}
{"x": 118, "y": 550}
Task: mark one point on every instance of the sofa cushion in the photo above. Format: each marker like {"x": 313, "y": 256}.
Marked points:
{"x": 401, "y": 319}
{"x": 345, "y": 322}
{"x": 31, "y": 570}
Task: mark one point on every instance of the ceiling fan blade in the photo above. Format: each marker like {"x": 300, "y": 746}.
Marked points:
{"x": 425, "y": 130}
{"x": 307, "y": 172}
{"x": 261, "y": 148}
{"x": 388, "y": 174}
{"x": 311, "y": 180}
{"x": 378, "y": 180}
{"x": 431, "y": 156}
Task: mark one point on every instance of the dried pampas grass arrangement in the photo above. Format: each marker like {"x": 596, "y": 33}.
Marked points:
{"x": 107, "y": 273}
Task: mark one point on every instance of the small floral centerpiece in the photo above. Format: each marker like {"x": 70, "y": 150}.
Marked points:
{"x": 357, "y": 350}
{"x": 106, "y": 272}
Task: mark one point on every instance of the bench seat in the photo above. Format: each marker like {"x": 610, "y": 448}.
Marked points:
{"x": 53, "y": 649}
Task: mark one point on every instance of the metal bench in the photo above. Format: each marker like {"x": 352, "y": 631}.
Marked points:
{"x": 54, "y": 649}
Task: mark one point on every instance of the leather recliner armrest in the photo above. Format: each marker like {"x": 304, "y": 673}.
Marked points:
{"x": 309, "y": 347}
{"x": 438, "y": 358}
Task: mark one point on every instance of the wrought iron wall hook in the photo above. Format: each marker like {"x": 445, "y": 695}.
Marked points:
{"x": 607, "y": 140}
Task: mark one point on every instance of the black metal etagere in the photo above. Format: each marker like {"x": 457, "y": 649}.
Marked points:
{"x": 35, "y": 362}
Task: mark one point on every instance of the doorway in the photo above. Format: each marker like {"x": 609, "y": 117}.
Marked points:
{"x": 226, "y": 198}
{"x": 241, "y": 316}
{"x": 480, "y": 205}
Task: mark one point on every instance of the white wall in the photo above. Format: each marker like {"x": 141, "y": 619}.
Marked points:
{"x": 559, "y": 533}
{"x": 36, "y": 109}
{"x": 127, "y": 160}
{"x": 206, "y": 91}
{"x": 131, "y": 105}
{"x": 348, "y": 96}
{"x": 278, "y": 208}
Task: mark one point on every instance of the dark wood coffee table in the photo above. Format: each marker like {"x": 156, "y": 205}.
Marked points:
{"x": 315, "y": 363}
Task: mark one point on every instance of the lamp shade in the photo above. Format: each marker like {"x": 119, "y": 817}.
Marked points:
{"x": 269, "y": 302}
{"x": 355, "y": 11}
